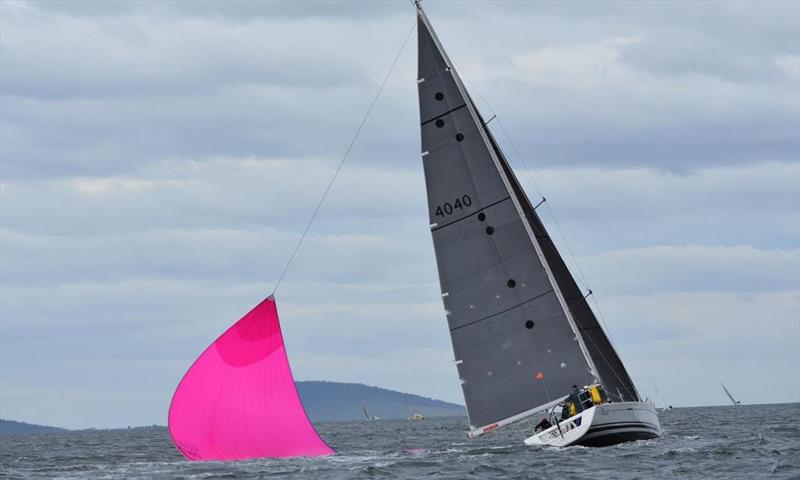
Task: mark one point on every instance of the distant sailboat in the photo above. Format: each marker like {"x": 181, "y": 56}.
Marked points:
{"x": 522, "y": 332}
{"x": 733, "y": 400}
{"x": 664, "y": 405}
{"x": 366, "y": 413}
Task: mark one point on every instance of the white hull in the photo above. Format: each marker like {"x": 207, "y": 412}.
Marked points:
{"x": 601, "y": 425}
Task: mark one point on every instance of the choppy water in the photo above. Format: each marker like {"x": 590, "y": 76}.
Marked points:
{"x": 748, "y": 442}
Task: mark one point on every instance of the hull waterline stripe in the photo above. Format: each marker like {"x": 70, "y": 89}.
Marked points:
{"x": 614, "y": 439}
{"x": 623, "y": 426}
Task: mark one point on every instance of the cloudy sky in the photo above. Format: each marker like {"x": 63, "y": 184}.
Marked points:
{"x": 159, "y": 160}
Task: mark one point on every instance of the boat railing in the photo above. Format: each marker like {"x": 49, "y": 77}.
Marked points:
{"x": 585, "y": 400}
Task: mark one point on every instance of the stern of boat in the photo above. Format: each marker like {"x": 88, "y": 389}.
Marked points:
{"x": 622, "y": 422}
{"x": 603, "y": 425}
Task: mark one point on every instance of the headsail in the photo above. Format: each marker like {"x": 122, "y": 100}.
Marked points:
{"x": 604, "y": 359}
{"x": 520, "y": 334}
{"x": 239, "y": 400}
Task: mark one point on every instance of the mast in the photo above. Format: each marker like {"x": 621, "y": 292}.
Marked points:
{"x": 663, "y": 403}
{"x": 601, "y": 354}
{"x": 510, "y": 301}
{"x": 733, "y": 400}
{"x": 527, "y": 212}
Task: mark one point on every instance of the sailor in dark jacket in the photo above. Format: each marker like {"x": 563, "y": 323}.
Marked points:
{"x": 543, "y": 425}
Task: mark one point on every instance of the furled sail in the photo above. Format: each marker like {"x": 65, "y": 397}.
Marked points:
{"x": 239, "y": 400}
{"x": 520, "y": 335}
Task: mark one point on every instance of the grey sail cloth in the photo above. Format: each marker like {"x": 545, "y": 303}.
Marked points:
{"x": 514, "y": 346}
{"x": 608, "y": 365}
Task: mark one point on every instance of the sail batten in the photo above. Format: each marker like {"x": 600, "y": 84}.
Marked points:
{"x": 518, "y": 344}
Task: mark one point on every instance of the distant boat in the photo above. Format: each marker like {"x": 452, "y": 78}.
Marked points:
{"x": 733, "y": 400}
{"x": 524, "y": 336}
{"x": 416, "y": 417}
{"x": 366, "y": 413}
{"x": 664, "y": 405}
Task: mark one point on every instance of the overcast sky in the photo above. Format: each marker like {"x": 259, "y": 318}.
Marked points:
{"x": 159, "y": 160}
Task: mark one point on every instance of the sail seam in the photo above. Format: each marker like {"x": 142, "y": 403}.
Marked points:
{"x": 438, "y": 227}
{"x": 503, "y": 311}
{"x": 442, "y": 115}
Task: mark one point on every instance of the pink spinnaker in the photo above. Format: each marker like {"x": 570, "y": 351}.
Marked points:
{"x": 239, "y": 400}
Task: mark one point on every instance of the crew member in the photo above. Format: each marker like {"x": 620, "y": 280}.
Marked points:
{"x": 573, "y": 405}
{"x": 544, "y": 424}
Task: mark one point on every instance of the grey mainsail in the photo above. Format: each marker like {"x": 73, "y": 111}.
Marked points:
{"x": 607, "y": 364}
{"x": 521, "y": 330}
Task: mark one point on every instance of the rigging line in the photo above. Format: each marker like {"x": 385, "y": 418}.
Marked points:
{"x": 344, "y": 158}
{"x": 529, "y": 176}
{"x": 575, "y": 262}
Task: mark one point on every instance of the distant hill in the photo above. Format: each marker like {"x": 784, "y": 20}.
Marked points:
{"x": 10, "y": 426}
{"x": 327, "y": 401}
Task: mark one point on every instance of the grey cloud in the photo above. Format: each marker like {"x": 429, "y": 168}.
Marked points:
{"x": 220, "y": 193}
{"x": 150, "y": 58}
{"x": 677, "y": 268}
{"x": 685, "y": 341}
{"x": 205, "y": 86}
{"x": 159, "y": 161}
{"x": 240, "y": 10}
{"x": 228, "y": 218}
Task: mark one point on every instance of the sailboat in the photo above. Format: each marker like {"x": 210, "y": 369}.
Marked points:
{"x": 524, "y": 337}
{"x": 366, "y": 413}
{"x": 733, "y": 400}
{"x": 664, "y": 405}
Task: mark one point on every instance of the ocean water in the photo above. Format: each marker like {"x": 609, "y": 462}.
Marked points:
{"x": 747, "y": 442}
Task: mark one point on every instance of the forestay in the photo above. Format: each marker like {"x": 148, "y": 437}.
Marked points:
{"x": 604, "y": 358}
{"x": 515, "y": 346}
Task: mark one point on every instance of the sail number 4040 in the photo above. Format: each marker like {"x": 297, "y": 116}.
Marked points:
{"x": 448, "y": 208}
